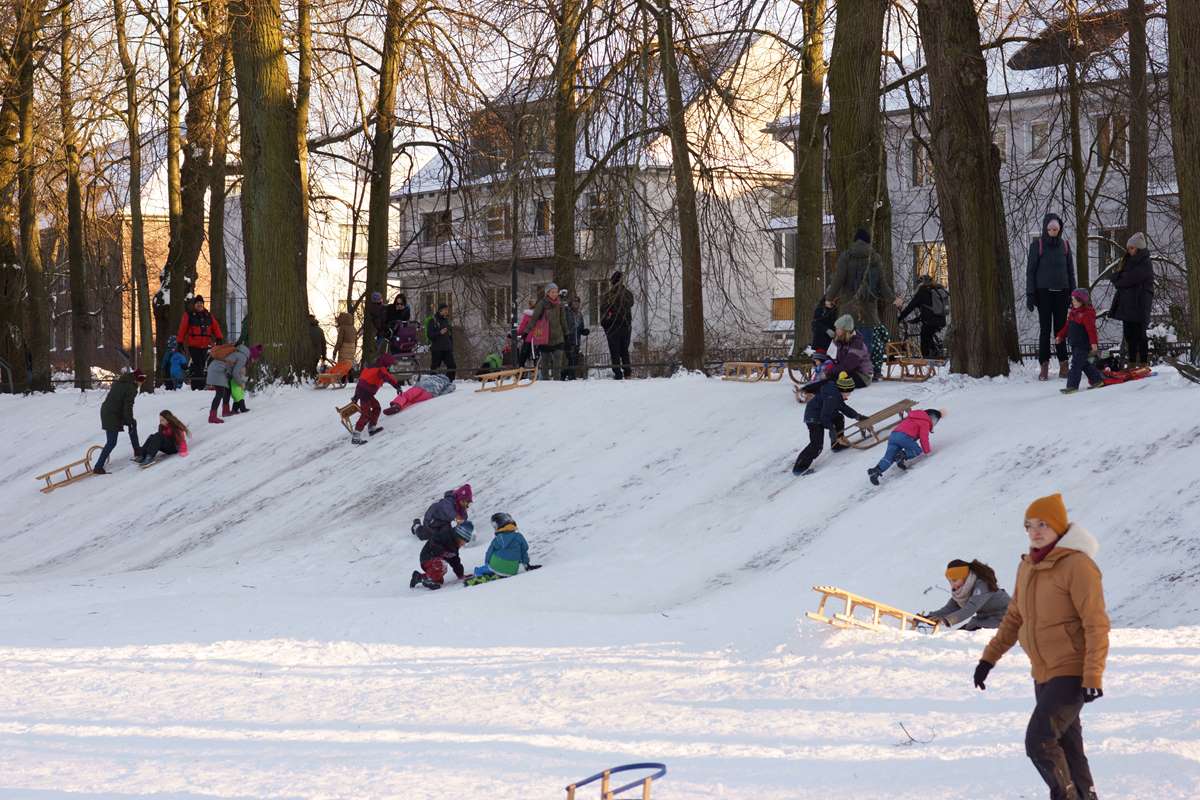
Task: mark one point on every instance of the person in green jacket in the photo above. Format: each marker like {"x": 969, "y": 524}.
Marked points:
{"x": 549, "y": 326}
{"x": 116, "y": 412}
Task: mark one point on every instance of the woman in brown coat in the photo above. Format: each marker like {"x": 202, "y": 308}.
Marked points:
{"x": 1057, "y": 614}
{"x": 347, "y": 339}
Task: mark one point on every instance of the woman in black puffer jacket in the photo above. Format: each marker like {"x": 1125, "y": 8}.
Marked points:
{"x": 1134, "y": 281}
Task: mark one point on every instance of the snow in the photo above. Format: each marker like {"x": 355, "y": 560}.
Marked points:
{"x": 238, "y": 623}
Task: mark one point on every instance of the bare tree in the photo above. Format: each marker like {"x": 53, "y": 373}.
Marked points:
{"x": 219, "y": 269}
{"x": 808, "y": 280}
{"x": 81, "y": 318}
{"x": 1183, "y": 20}
{"x": 1139, "y": 120}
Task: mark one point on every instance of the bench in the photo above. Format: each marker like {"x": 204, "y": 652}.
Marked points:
{"x": 879, "y": 613}
{"x": 84, "y": 463}
{"x": 753, "y": 371}
{"x": 506, "y": 379}
{"x": 866, "y": 433}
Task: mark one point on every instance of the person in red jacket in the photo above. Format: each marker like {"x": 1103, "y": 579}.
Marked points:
{"x": 1080, "y": 335}
{"x": 907, "y": 440}
{"x": 198, "y": 331}
{"x": 370, "y": 382}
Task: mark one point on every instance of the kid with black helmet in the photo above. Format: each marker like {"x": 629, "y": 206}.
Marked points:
{"x": 505, "y": 555}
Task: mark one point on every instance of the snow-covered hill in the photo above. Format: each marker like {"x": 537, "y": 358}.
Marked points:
{"x": 238, "y": 623}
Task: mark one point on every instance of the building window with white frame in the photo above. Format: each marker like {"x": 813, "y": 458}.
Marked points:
{"x": 352, "y": 239}
{"x": 437, "y": 227}
{"x": 929, "y": 258}
{"x": 1039, "y": 140}
{"x": 1000, "y": 139}
{"x": 596, "y": 289}
{"x": 922, "y": 164}
{"x": 785, "y": 251}
{"x": 497, "y": 223}
{"x": 497, "y": 305}
{"x": 1112, "y": 139}
{"x": 543, "y": 218}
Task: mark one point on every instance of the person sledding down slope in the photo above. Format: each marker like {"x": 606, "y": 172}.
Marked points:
{"x": 369, "y": 383}
{"x": 442, "y": 515}
{"x": 505, "y": 555}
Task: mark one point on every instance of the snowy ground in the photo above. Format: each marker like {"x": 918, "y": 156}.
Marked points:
{"x": 238, "y": 623}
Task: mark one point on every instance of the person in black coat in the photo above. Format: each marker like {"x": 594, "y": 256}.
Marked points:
{"x": 398, "y": 311}
{"x": 441, "y": 549}
{"x": 1134, "y": 282}
{"x": 317, "y": 338}
{"x": 616, "y": 318}
{"x": 116, "y": 413}
{"x": 824, "y": 315}
{"x": 826, "y": 411}
{"x": 441, "y": 341}
{"x": 1049, "y": 281}
{"x": 929, "y": 301}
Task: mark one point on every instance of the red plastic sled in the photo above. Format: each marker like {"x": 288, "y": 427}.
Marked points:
{"x": 1113, "y": 377}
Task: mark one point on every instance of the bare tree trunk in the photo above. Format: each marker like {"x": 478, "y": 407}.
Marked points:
{"x": 137, "y": 236}
{"x": 12, "y": 281}
{"x": 379, "y": 202}
{"x": 808, "y": 269}
{"x": 961, "y": 150}
{"x": 692, "y": 352}
{"x": 854, "y": 116}
{"x": 81, "y": 319}
{"x": 303, "y": 92}
{"x": 29, "y": 23}
{"x": 271, "y": 199}
{"x": 1139, "y": 120}
{"x": 174, "y": 145}
{"x": 216, "y": 193}
{"x": 1183, "y": 20}
{"x": 566, "y": 123}
{"x": 1078, "y": 156}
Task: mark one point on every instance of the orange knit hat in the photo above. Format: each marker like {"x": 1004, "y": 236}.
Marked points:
{"x": 1051, "y": 510}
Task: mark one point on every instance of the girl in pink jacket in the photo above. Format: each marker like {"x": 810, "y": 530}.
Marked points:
{"x": 908, "y": 440}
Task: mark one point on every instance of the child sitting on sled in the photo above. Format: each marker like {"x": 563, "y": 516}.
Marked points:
{"x": 441, "y": 549}
{"x": 171, "y": 438}
{"x": 908, "y": 440}
{"x": 505, "y": 555}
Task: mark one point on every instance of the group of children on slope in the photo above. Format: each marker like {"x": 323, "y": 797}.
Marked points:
{"x": 446, "y": 529}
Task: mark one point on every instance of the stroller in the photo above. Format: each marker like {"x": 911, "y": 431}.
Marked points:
{"x": 403, "y": 345}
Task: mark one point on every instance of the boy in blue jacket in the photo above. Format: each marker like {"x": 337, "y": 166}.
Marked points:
{"x": 174, "y": 364}
{"x": 825, "y": 411}
{"x": 505, "y": 555}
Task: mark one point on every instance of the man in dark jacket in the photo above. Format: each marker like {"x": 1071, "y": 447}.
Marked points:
{"x": 441, "y": 341}
{"x": 824, "y": 317}
{"x": 616, "y": 318}
{"x": 116, "y": 412}
{"x": 1134, "y": 281}
{"x": 317, "y": 337}
{"x": 861, "y": 287}
{"x": 1049, "y": 281}
{"x": 930, "y": 301}
{"x": 824, "y": 412}
{"x": 198, "y": 332}
{"x": 576, "y": 330}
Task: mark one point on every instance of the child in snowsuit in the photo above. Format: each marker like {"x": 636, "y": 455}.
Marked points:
{"x": 1080, "y": 335}
{"x": 241, "y": 359}
{"x": 908, "y": 440}
{"x": 426, "y": 388}
{"x": 171, "y": 438}
{"x": 217, "y": 379}
{"x": 505, "y": 555}
{"x": 975, "y": 595}
{"x": 174, "y": 364}
{"x": 442, "y": 549}
{"x": 116, "y": 412}
{"x": 824, "y": 317}
{"x": 825, "y": 413}
{"x": 371, "y": 380}
{"x": 444, "y": 514}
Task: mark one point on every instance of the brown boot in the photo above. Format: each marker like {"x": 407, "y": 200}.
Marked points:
{"x": 1044, "y": 375}
{"x": 1062, "y": 370}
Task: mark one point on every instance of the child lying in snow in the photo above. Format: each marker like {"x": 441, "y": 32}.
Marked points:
{"x": 505, "y": 555}
{"x": 426, "y": 388}
{"x": 908, "y": 440}
{"x": 975, "y": 595}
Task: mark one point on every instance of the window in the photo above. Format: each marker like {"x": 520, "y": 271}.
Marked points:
{"x": 430, "y": 302}
{"x": 436, "y": 227}
{"x": 1039, "y": 140}
{"x": 542, "y": 218}
{"x": 922, "y": 166}
{"x": 599, "y": 217}
{"x": 497, "y": 305}
{"x": 785, "y": 250}
{"x": 1109, "y": 248}
{"x": 1112, "y": 138}
{"x": 782, "y": 202}
{"x": 929, "y": 258}
{"x": 596, "y": 289}
{"x": 1000, "y": 139}
{"x": 783, "y": 309}
{"x": 498, "y": 223}
{"x": 352, "y": 239}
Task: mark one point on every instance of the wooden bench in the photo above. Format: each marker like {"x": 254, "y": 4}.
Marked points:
{"x": 753, "y": 371}
{"x": 879, "y": 612}
{"x": 84, "y": 463}
{"x": 866, "y": 433}
{"x": 506, "y": 379}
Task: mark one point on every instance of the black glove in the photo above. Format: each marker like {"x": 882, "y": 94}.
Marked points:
{"x": 981, "y": 672}
{"x": 532, "y": 566}
{"x": 1030, "y": 302}
{"x": 585, "y": 332}
{"x": 1092, "y": 694}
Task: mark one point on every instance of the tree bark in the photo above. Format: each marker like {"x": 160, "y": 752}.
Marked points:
{"x": 1139, "y": 120}
{"x": 692, "y": 351}
{"x": 566, "y": 124}
{"x": 961, "y": 151}
{"x": 303, "y": 92}
{"x": 1075, "y": 131}
{"x": 137, "y": 237}
{"x": 808, "y": 269}
{"x": 379, "y": 201}
{"x": 12, "y": 278}
{"x": 271, "y": 199}
{"x": 216, "y": 194}
{"x": 81, "y": 318}
{"x": 1183, "y": 20}
{"x": 855, "y": 133}
{"x": 29, "y": 24}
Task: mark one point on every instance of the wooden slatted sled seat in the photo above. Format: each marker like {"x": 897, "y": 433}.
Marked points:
{"x": 753, "y": 371}
{"x": 69, "y": 473}
{"x": 866, "y": 433}
{"x": 903, "y": 363}
{"x": 346, "y": 412}
{"x": 506, "y": 379}
{"x": 877, "y": 617}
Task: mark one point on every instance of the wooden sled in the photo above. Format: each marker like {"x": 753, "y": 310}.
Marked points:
{"x": 753, "y": 371}
{"x": 903, "y": 363}
{"x": 879, "y": 613}
{"x": 346, "y": 412}
{"x": 506, "y": 379}
{"x": 609, "y": 792}
{"x": 337, "y": 375}
{"x": 865, "y": 434}
{"x": 71, "y": 472}
{"x": 808, "y": 374}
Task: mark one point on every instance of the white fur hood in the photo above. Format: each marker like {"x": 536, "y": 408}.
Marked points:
{"x": 1077, "y": 538}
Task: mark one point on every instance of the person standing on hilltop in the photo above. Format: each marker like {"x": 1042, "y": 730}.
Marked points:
{"x": 198, "y": 332}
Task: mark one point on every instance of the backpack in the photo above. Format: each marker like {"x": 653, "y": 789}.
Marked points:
{"x": 939, "y": 301}
{"x": 221, "y": 352}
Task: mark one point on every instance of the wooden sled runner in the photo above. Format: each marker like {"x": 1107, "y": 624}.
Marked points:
{"x": 336, "y": 375}
{"x": 865, "y": 434}
{"x": 506, "y": 379}
{"x": 753, "y": 371}
{"x": 879, "y": 613}
{"x": 346, "y": 412}
{"x": 75, "y": 471}
{"x": 902, "y": 363}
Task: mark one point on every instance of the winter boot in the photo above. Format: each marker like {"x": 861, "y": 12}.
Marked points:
{"x": 213, "y": 418}
{"x": 873, "y": 473}
{"x": 902, "y": 460}
{"x": 357, "y": 438}
{"x": 225, "y": 411}
{"x": 1044, "y": 375}
{"x": 799, "y": 468}
{"x": 240, "y": 407}
{"x": 1068, "y": 391}
{"x": 430, "y": 584}
{"x": 416, "y": 578}
{"x": 374, "y": 429}
{"x": 1096, "y": 385}
{"x": 99, "y": 471}
{"x": 1062, "y": 370}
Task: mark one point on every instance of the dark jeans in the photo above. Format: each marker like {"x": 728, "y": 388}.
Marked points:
{"x": 198, "y": 369}
{"x": 220, "y": 396}
{"x": 1054, "y": 738}
{"x": 1052, "y": 315}
{"x": 1080, "y": 364}
{"x": 618, "y": 348}
{"x": 1137, "y": 346}
{"x": 930, "y": 346}
{"x": 571, "y": 370}
{"x": 157, "y": 443}
{"x": 550, "y": 359}
{"x": 526, "y": 354}
{"x": 110, "y": 441}
{"x": 816, "y": 441}
{"x": 443, "y": 358}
